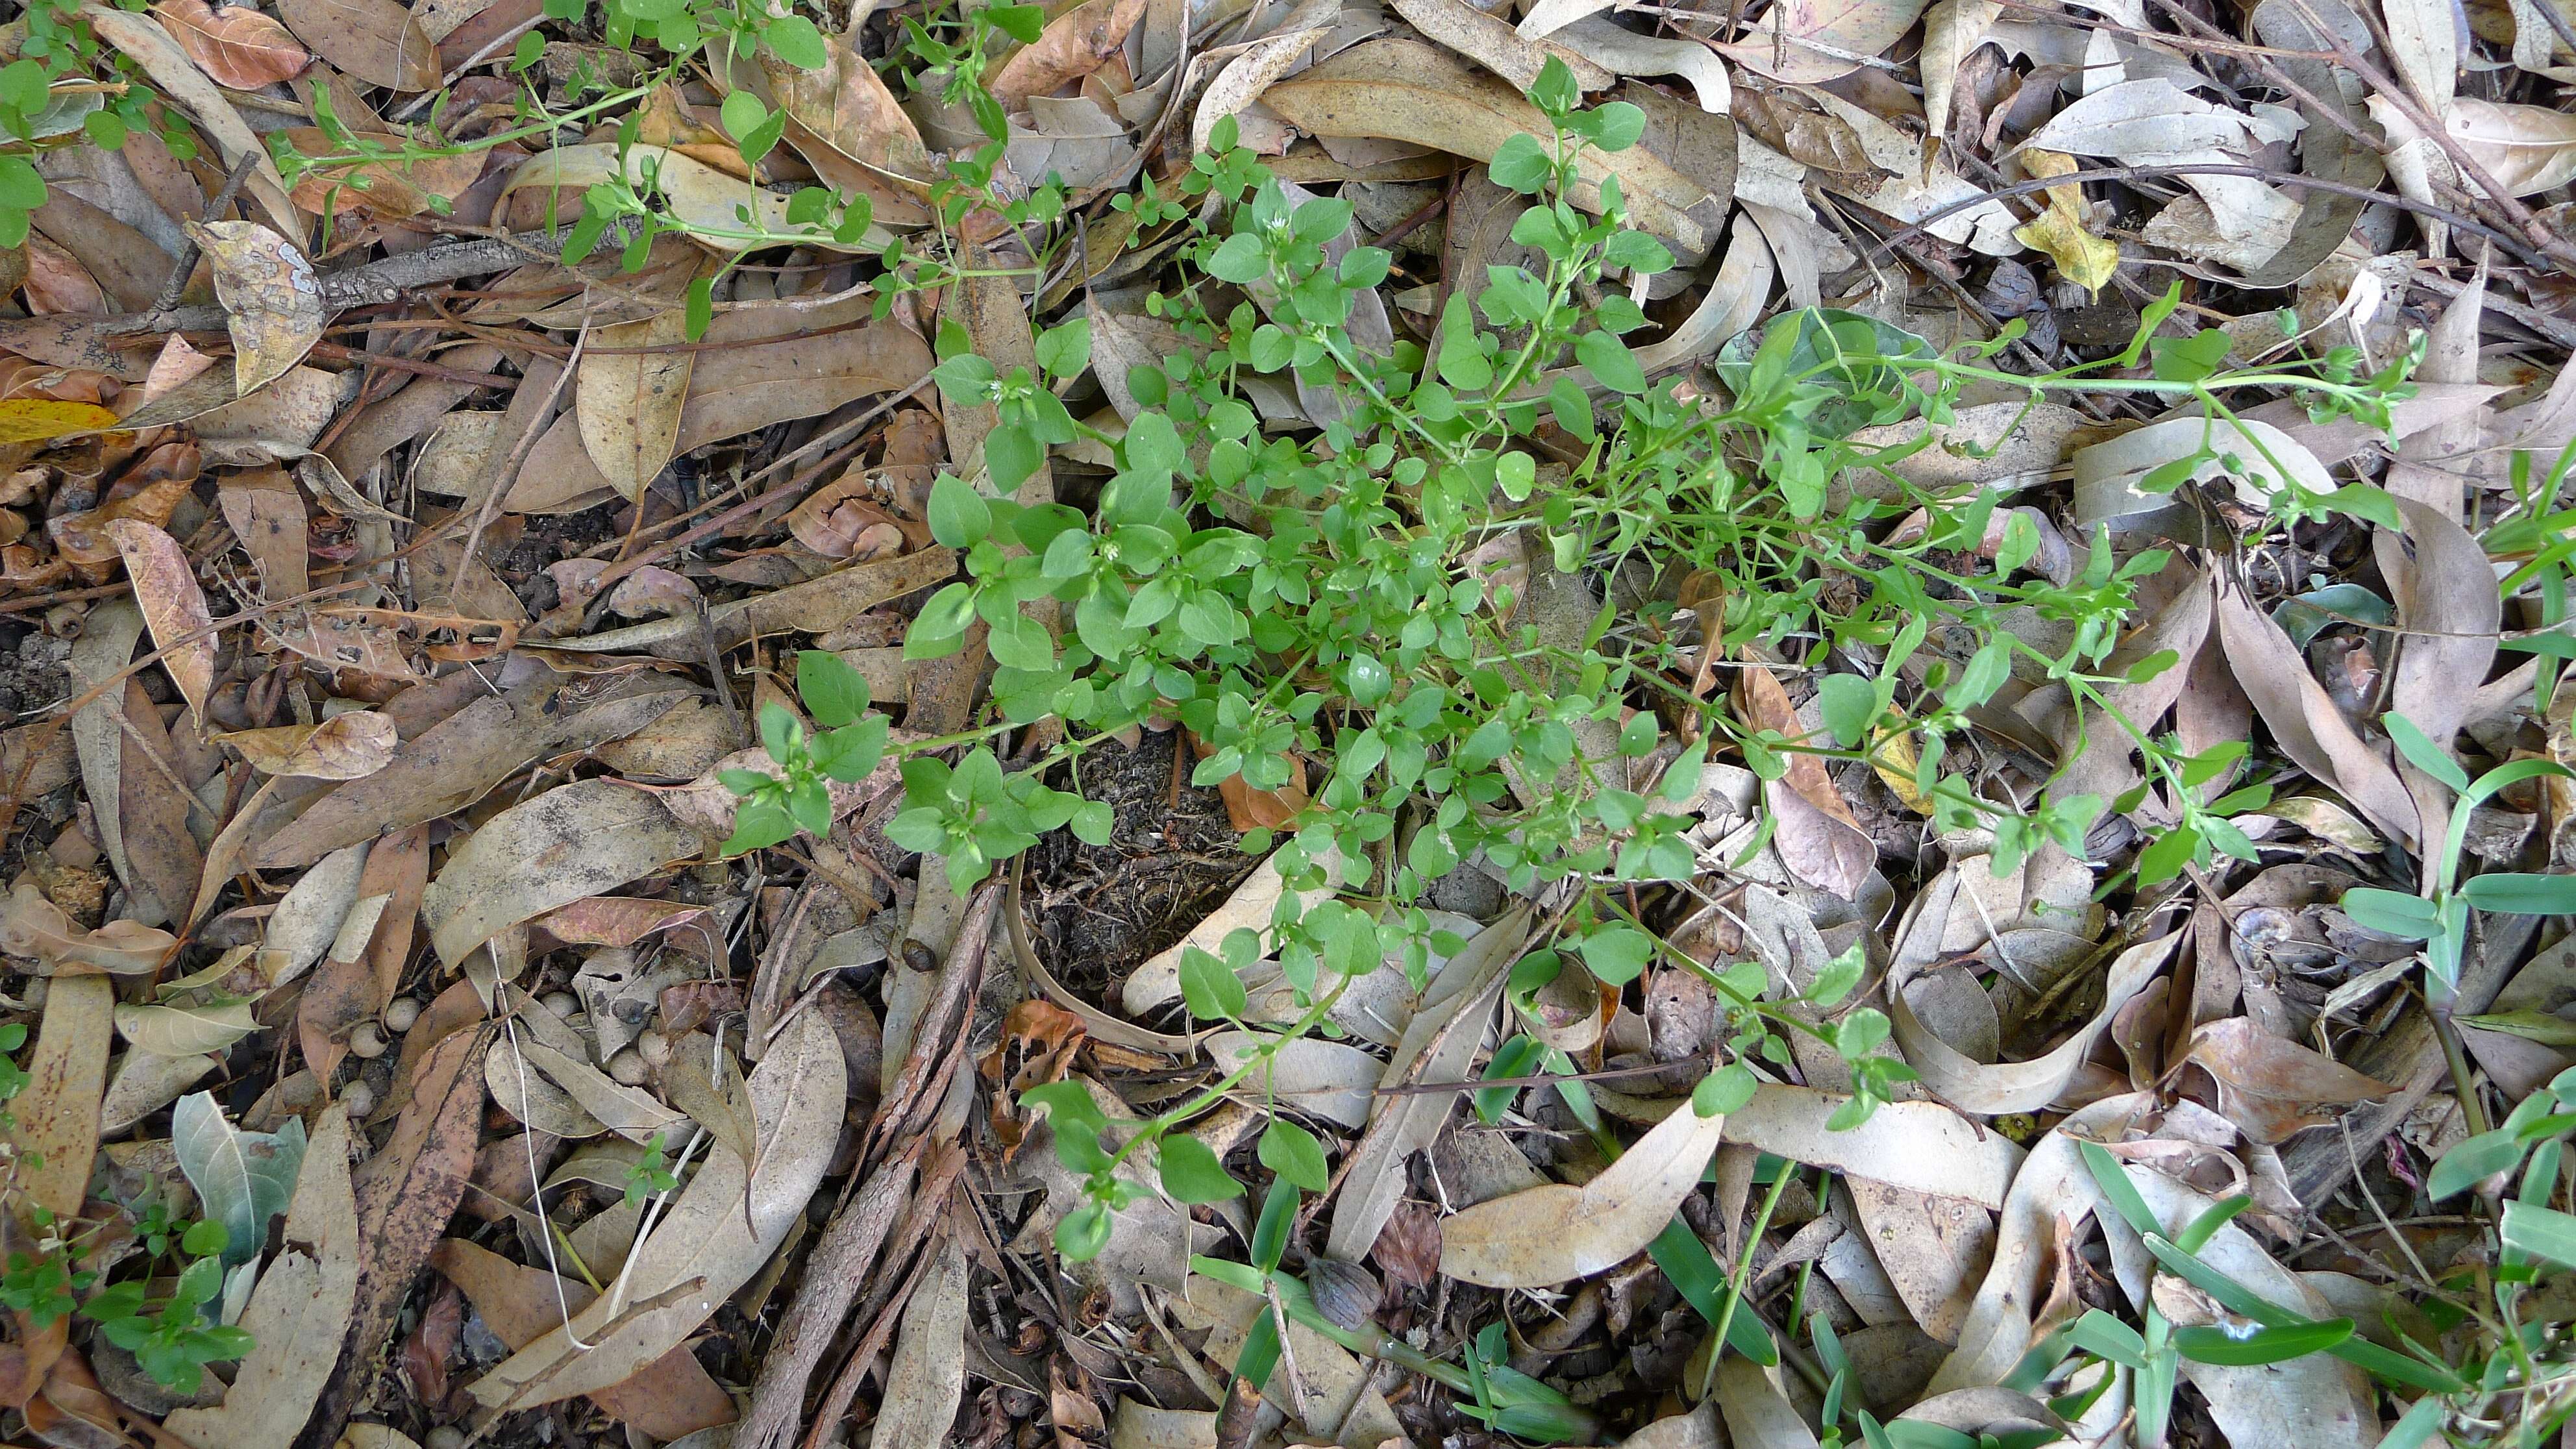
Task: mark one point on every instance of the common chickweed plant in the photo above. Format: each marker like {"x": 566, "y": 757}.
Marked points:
{"x": 1316, "y": 598}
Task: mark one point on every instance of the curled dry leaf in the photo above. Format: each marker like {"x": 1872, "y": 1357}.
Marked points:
{"x": 702, "y": 1250}
{"x": 235, "y": 44}
{"x": 32, "y": 926}
{"x": 347, "y": 746}
{"x": 1073, "y": 45}
{"x": 272, "y": 300}
{"x": 2018, "y": 1086}
{"x": 1251, "y": 907}
{"x": 378, "y": 41}
{"x": 2272, "y": 1088}
{"x": 1553, "y": 1234}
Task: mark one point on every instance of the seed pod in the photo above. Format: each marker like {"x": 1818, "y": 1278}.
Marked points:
{"x": 1345, "y": 1293}
{"x": 360, "y": 1099}
{"x": 366, "y": 1041}
{"x": 628, "y": 1068}
{"x": 401, "y": 1014}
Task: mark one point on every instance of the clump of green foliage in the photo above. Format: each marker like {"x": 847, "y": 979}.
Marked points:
{"x": 172, "y": 1336}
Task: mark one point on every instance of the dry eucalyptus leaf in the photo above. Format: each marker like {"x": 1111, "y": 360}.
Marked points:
{"x": 575, "y": 840}
{"x": 1554, "y": 1234}
{"x": 378, "y": 41}
{"x": 628, "y": 399}
{"x": 165, "y": 584}
{"x": 32, "y": 926}
{"x": 235, "y": 44}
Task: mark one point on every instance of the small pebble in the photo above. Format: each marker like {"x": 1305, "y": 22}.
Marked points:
{"x": 401, "y": 1014}
{"x": 367, "y": 1041}
{"x": 561, "y": 1003}
{"x": 445, "y": 1436}
{"x": 628, "y": 1067}
{"x": 359, "y": 1098}
{"x": 653, "y": 1047}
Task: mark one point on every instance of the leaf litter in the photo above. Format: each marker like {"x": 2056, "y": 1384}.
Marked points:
{"x": 562, "y": 885}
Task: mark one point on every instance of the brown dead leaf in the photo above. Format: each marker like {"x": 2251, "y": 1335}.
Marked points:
{"x": 628, "y": 400}
{"x": 378, "y": 41}
{"x": 272, "y": 300}
{"x": 405, "y": 1195}
{"x": 165, "y": 584}
{"x": 1408, "y": 1247}
{"x": 390, "y": 189}
{"x": 1074, "y": 44}
{"x": 32, "y": 926}
{"x": 615, "y": 920}
{"x": 235, "y": 44}
{"x": 1817, "y": 836}
{"x": 2272, "y": 1088}
{"x": 56, "y": 1113}
{"x": 666, "y": 1399}
{"x": 1787, "y": 122}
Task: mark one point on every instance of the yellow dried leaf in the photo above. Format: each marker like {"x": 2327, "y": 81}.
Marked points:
{"x": 1895, "y": 761}
{"x": 34, "y": 419}
{"x": 2059, "y": 231}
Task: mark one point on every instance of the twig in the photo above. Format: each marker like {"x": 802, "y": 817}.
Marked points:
{"x": 186, "y": 266}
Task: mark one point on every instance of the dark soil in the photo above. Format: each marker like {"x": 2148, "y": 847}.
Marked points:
{"x": 1102, "y": 910}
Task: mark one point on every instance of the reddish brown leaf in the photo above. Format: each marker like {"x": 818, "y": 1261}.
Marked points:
{"x": 1408, "y": 1247}
{"x": 1075, "y": 44}
{"x": 236, "y": 45}
{"x": 1816, "y": 836}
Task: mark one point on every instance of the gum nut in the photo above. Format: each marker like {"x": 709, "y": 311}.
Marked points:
{"x": 579, "y": 1021}
{"x": 628, "y": 1067}
{"x": 401, "y": 1015}
{"x": 445, "y": 1436}
{"x": 367, "y": 1041}
{"x": 37, "y": 986}
{"x": 1345, "y": 1293}
{"x": 561, "y": 1003}
{"x": 359, "y": 1098}
{"x": 653, "y": 1047}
